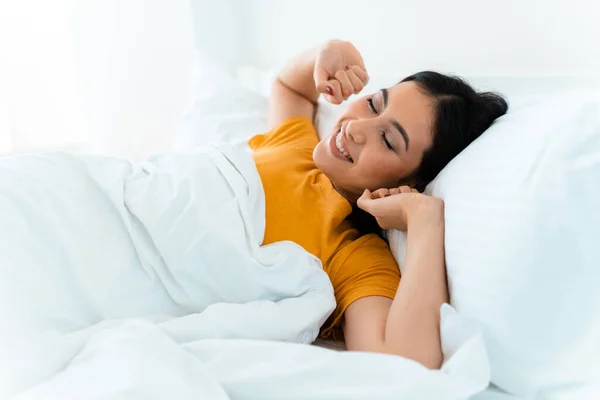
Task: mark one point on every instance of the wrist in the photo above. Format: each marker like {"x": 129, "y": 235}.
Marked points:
{"x": 298, "y": 74}
{"x": 428, "y": 212}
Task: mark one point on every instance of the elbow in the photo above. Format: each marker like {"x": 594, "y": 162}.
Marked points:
{"x": 429, "y": 359}
{"x": 433, "y": 362}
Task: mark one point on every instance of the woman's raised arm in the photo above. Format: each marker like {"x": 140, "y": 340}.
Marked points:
{"x": 334, "y": 69}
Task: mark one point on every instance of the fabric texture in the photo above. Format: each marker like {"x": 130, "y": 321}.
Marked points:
{"x": 134, "y": 281}
{"x": 115, "y": 240}
{"x": 302, "y": 206}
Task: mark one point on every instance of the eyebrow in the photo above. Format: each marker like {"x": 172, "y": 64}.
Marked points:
{"x": 394, "y": 122}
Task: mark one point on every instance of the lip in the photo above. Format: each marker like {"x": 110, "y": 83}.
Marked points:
{"x": 344, "y": 139}
{"x": 333, "y": 148}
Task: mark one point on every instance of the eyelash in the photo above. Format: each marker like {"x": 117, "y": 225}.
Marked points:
{"x": 383, "y": 138}
{"x": 371, "y": 105}
{"x": 385, "y": 142}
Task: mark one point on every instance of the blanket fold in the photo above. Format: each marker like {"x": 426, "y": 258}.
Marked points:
{"x": 126, "y": 281}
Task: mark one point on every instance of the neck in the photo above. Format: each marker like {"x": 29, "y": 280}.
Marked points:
{"x": 351, "y": 197}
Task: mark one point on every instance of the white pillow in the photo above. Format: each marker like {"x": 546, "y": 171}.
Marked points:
{"x": 523, "y": 242}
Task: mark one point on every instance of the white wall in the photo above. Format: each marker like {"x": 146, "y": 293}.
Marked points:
{"x": 39, "y": 100}
{"x": 116, "y": 74}
{"x": 135, "y": 60}
{"x": 467, "y": 37}
{"x": 220, "y": 30}
{"x": 110, "y": 77}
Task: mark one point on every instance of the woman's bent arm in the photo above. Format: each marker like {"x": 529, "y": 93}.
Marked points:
{"x": 409, "y": 325}
{"x": 294, "y": 91}
{"x": 334, "y": 68}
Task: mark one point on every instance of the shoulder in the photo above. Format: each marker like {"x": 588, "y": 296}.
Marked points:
{"x": 372, "y": 260}
{"x": 299, "y": 131}
{"x": 369, "y": 249}
{"x": 367, "y": 268}
{"x": 363, "y": 268}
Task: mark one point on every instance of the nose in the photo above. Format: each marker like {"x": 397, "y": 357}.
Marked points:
{"x": 356, "y": 131}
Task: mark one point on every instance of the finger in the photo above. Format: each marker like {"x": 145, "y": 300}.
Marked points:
{"x": 414, "y": 190}
{"x": 361, "y": 73}
{"x": 336, "y": 97}
{"x": 321, "y": 81}
{"x": 364, "y": 199}
{"x": 405, "y": 189}
{"x": 394, "y": 191}
{"x": 357, "y": 84}
{"x": 325, "y": 88}
{"x": 374, "y": 206}
{"x": 344, "y": 80}
{"x": 380, "y": 193}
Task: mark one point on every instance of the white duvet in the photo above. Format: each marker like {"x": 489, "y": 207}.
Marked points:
{"x": 123, "y": 281}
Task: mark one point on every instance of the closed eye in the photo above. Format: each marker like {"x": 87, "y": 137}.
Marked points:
{"x": 371, "y": 105}
{"x": 386, "y": 142}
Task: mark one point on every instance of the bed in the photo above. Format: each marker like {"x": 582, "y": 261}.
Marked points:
{"x": 103, "y": 288}
{"x": 135, "y": 313}
{"x": 571, "y": 101}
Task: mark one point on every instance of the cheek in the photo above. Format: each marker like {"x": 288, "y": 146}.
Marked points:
{"x": 323, "y": 159}
{"x": 380, "y": 170}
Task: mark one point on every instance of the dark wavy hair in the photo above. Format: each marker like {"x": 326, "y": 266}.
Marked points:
{"x": 461, "y": 116}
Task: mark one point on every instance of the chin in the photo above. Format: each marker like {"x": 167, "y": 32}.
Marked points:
{"x": 318, "y": 153}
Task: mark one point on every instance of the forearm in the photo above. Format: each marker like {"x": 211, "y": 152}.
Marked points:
{"x": 412, "y": 327}
{"x": 297, "y": 75}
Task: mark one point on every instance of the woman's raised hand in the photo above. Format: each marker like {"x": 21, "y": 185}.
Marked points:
{"x": 339, "y": 71}
{"x": 396, "y": 208}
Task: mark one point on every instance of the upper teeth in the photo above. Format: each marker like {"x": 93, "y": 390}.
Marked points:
{"x": 338, "y": 144}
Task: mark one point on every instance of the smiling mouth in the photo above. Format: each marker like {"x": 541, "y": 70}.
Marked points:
{"x": 340, "y": 146}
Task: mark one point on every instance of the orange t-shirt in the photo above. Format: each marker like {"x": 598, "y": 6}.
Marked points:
{"x": 302, "y": 206}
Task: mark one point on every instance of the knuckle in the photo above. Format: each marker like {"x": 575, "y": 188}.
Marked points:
{"x": 340, "y": 75}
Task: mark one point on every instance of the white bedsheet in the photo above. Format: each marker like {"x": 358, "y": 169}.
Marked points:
{"x": 122, "y": 281}
{"x": 493, "y": 393}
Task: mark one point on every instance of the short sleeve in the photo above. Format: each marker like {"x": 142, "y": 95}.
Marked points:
{"x": 295, "y": 131}
{"x": 369, "y": 269}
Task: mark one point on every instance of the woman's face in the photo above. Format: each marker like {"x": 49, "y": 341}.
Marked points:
{"x": 378, "y": 142}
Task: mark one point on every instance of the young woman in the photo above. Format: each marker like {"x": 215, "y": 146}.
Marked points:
{"x": 385, "y": 148}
